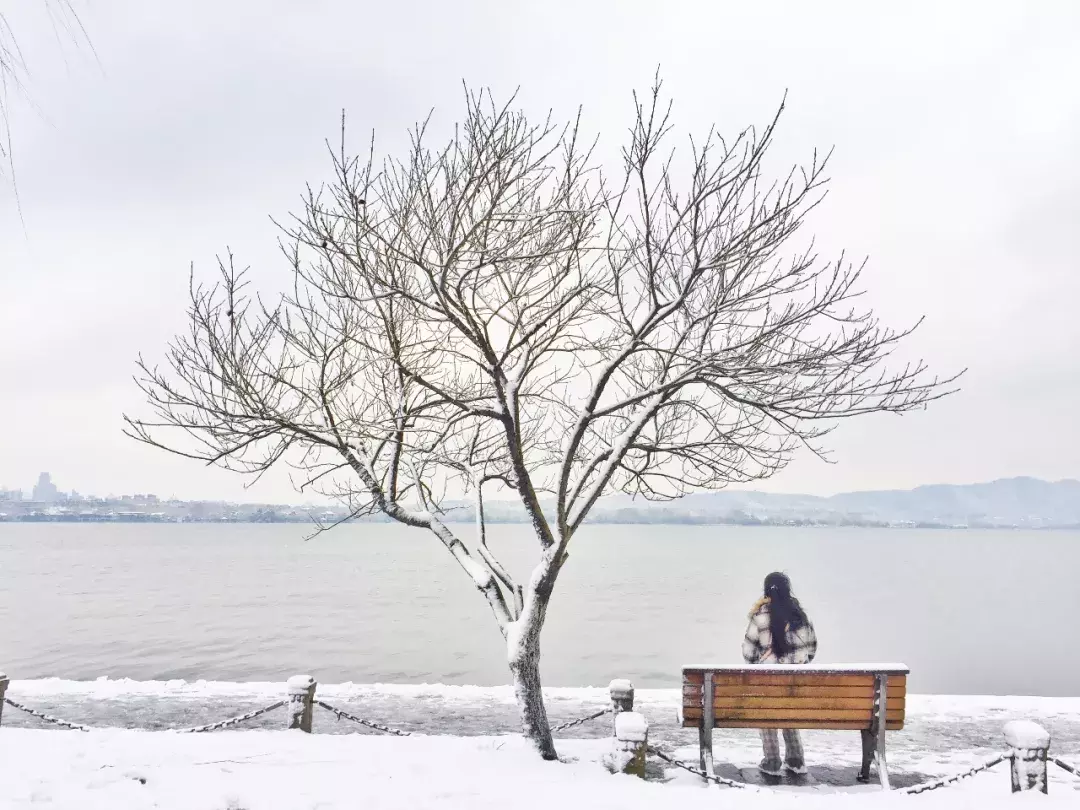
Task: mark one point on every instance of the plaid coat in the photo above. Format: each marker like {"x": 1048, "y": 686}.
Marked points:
{"x": 757, "y": 645}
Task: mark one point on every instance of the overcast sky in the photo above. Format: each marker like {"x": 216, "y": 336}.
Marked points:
{"x": 956, "y": 129}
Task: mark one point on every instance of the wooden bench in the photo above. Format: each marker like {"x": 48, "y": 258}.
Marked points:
{"x": 869, "y": 698}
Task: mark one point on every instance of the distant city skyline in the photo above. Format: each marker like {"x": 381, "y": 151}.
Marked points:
{"x": 45, "y": 490}
{"x": 1004, "y": 504}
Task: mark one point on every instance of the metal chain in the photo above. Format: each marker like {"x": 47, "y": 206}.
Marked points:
{"x": 948, "y": 781}
{"x": 343, "y": 714}
{"x": 232, "y": 721}
{"x": 48, "y": 718}
{"x": 581, "y": 720}
{"x": 1066, "y": 766}
{"x": 697, "y": 771}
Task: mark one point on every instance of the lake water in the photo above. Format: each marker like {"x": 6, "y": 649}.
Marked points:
{"x": 973, "y": 612}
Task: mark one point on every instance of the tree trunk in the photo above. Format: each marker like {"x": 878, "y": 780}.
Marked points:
{"x": 525, "y": 666}
{"x": 523, "y": 655}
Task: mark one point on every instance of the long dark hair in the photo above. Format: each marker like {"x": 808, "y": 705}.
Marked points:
{"x": 785, "y": 612}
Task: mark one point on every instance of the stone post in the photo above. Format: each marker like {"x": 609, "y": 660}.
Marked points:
{"x": 1029, "y": 744}
{"x": 301, "y": 689}
{"x": 622, "y": 697}
{"x": 631, "y": 743}
{"x": 3, "y": 691}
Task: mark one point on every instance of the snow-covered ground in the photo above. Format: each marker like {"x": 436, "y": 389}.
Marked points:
{"x": 468, "y": 755}
{"x": 268, "y": 770}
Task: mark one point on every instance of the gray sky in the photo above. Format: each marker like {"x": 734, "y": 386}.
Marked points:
{"x": 956, "y": 127}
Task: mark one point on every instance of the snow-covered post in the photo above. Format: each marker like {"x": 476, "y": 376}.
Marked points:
{"x": 301, "y": 690}
{"x": 622, "y": 697}
{"x": 1029, "y": 744}
{"x": 3, "y": 691}
{"x": 631, "y": 743}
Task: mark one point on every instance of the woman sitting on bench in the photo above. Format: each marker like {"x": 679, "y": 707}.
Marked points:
{"x": 780, "y": 632}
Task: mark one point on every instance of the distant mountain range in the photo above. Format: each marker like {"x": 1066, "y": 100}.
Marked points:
{"x": 1005, "y": 503}
{"x": 1009, "y": 503}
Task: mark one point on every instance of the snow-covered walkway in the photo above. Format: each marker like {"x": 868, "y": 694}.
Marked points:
{"x": 469, "y": 756}
{"x": 275, "y": 770}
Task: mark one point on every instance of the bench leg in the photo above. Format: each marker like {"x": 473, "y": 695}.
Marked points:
{"x": 707, "y": 722}
{"x": 880, "y": 723}
{"x": 701, "y": 747}
{"x": 873, "y": 749}
{"x": 705, "y": 749}
{"x": 868, "y": 746}
{"x": 882, "y": 769}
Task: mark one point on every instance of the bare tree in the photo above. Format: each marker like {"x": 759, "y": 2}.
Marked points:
{"x": 13, "y": 67}
{"x": 491, "y": 310}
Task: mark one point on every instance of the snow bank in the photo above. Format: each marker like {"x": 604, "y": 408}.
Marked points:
{"x": 120, "y": 688}
{"x": 66, "y": 692}
{"x": 261, "y": 770}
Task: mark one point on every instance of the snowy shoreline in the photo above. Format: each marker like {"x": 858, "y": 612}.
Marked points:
{"x": 120, "y": 688}
{"x": 937, "y": 724}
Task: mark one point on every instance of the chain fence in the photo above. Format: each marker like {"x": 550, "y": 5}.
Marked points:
{"x": 344, "y": 715}
{"x": 232, "y": 721}
{"x": 949, "y": 781}
{"x": 581, "y": 720}
{"x": 719, "y": 780}
{"x": 48, "y": 718}
{"x": 341, "y": 714}
{"x": 1065, "y": 766}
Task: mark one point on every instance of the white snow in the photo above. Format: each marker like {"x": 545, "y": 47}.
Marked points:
{"x": 299, "y": 684}
{"x": 620, "y": 687}
{"x": 631, "y": 727}
{"x": 277, "y": 770}
{"x": 1026, "y": 735}
{"x": 926, "y": 706}
{"x": 120, "y": 688}
{"x": 891, "y": 669}
{"x": 515, "y": 639}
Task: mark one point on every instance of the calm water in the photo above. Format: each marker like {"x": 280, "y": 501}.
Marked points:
{"x": 970, "y": 612}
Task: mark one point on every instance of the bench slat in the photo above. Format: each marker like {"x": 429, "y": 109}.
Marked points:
{"x": 792, "y": 679}
{"x": 754, "y": 702}
{"x": 810, "y": 725}
{"x": 692, "y": 692}
{"x": 775, "y": 697}
{"x": 797, "y": 715}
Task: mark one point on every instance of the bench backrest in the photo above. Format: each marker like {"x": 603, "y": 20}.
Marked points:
{"x": 794, "y": 696}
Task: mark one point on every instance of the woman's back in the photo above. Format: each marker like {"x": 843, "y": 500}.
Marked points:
{"x": 799, "y": 645}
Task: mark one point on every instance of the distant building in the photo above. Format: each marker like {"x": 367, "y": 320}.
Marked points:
{"x": 45, "y": 490}
{"x": 10, "y": 494}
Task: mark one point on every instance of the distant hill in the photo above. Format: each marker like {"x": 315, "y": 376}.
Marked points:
{"x": 1006, "y": 503}
{"x": 1010, "y": 503}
